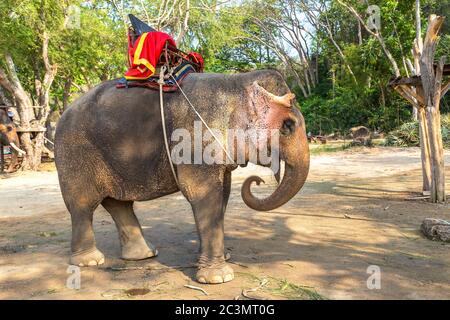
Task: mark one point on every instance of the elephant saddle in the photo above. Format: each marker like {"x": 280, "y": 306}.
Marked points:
{"x": 148, "y": 51}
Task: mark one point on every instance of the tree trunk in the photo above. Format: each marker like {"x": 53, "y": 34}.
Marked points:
{"x": 426, "y": 98}
{"x": 437, "y": 156}
{"x": 424, "y": 150}
{"x": 66, "y": 94}
{"x": 33, "y": 145}
{"x": 360, "y": 41}
{"x": 4, "y": 100}
{"x": 419, "y": 40}
{"x": 432, "y": 83}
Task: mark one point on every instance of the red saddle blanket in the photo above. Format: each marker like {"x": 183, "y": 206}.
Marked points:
{"x": 151, "y": 50}
{"x": 144, "y": 54}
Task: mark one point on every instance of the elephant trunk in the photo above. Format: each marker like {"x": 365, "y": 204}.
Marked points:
{"x": 293, "y": 180}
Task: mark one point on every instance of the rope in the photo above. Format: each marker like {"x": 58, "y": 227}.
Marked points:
{"x": 49, "y": 141}
{"x": 204, "y": 122}
{"x": 163, "y": 121}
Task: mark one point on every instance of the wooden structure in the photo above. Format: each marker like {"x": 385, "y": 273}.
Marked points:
{"x": 424, "y": 91}
{"x": 33, "y": 130}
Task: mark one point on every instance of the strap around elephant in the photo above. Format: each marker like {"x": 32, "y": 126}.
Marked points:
{"x": 163, "y": 121}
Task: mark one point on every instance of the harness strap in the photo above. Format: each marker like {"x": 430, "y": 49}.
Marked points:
{"x": 163, "y": 121}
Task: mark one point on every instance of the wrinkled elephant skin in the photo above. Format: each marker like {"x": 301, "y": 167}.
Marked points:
{"x": 109, "y": 150}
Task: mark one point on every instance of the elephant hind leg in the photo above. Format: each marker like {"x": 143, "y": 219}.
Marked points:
{"x": 134, "y": 246}
{"x": 84, "y": 250}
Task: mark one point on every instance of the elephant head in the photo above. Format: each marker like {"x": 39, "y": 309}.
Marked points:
{"x": 9, "y": 137}
{"x": 271, "y": 111}
{"x": 8, "y": 132}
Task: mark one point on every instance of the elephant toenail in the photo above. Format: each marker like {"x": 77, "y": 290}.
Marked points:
{"x": 201, "y": 280}
{"x": 216, "y": 279}
{"x": 228, "y": 277}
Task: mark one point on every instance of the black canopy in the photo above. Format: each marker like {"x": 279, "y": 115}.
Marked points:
{"x": 139, "y": 26}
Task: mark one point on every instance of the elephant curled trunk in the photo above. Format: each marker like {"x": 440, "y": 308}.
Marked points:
{"x": 293, "y": 180}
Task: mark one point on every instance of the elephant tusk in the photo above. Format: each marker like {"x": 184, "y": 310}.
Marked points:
{"x": 20, "y": 151}
{"x": 278, "y": 173}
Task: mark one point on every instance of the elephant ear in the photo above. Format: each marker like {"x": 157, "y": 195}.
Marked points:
{"x": 261, "y": 99}
{"x": 268, "y": 108}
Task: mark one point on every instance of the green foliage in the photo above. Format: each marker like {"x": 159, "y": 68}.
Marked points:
{"x": 337, "y": 109}
{"x": 96, "y": 49}
{"x": 87, "y": 55}
{"x": 338, "y": 103}
{"x": 445, "y": 127}
{"x": 229, "y": 39}
{"x": 407, "y": 135}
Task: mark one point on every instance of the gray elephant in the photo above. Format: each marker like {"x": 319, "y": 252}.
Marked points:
{"x": 109, "y": 150}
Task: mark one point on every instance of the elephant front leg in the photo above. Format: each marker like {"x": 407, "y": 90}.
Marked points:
{"x": 206, "y": 196}
{"x": 14, "y": 161}
{"x": 209, "y": 218}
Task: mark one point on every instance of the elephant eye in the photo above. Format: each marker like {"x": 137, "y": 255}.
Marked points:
{"x": 288, "y": 127}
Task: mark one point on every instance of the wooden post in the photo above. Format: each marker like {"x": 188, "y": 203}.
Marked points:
{"x": 431, "y": 83}
{"x": 421, "y": 116}
{"x": 424, "y": 151}
{"x": 413, "y": 92}
{"x": 424, "y": 91}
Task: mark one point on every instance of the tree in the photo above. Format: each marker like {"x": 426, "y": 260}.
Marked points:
{"x": 30, "y": 46}
{"x": 331, "y": 58}
{"x": 424, "y": 92}
{"x": 45, "y": 57}
{"x": 281, "y": 29}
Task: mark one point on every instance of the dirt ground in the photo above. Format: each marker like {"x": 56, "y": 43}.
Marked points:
{"x": 352, "y": 213}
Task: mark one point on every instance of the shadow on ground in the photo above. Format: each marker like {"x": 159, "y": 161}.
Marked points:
{"x": 324, "y": 240}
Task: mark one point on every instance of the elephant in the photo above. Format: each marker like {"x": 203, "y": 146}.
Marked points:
{"x": 110, "y": 150}
{"x": 9, "y": 137}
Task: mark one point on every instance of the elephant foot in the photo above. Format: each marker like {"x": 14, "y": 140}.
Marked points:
{"x": 138, "y": 250}
{"x": 88, "y": 258}
{"x": 215, "y": 274}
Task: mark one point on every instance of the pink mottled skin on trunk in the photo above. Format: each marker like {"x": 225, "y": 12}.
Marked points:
{"x": 276, "y": 112}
